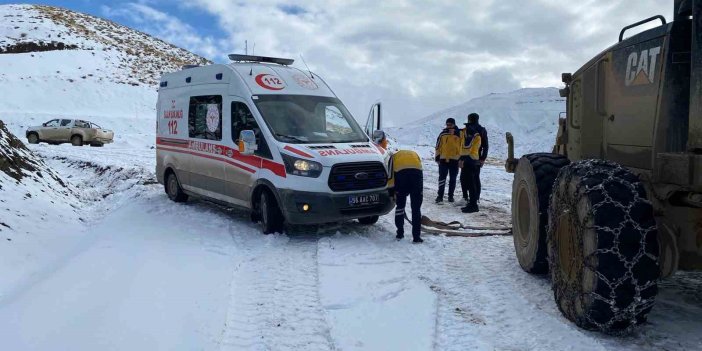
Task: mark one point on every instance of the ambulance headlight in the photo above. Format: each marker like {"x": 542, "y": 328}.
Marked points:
{"x": 303, "y": 168}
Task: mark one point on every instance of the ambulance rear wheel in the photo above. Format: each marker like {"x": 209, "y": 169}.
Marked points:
{"x": 173, "y": 189}
{"x": 271, "y": 216}
{"x": 369, "y": 220}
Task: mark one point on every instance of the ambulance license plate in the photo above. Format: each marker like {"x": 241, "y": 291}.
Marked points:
{"x": 362, "y": 200}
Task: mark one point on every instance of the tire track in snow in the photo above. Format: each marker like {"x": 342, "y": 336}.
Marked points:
{"x": 275, "y": 302}
{"x": 483, "y": 304}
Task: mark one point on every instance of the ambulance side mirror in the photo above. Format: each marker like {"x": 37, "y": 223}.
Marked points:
{"x": 378, "y": 136}
{"x": 247, "y": 142}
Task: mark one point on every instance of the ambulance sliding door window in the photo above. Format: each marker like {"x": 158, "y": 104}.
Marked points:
{"x": 242, "y": 119}
{"x": 205, "y": 117}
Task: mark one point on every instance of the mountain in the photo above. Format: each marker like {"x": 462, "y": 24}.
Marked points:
{"x": 60, "y": 63}
{"x": 531, "y": 115}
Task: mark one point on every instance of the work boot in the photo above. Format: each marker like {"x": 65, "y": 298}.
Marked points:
{"x": 470, "y": 209}
{"x": 439, "y": 200}
{"x": 450, "y": 199}
{"x": 400, "y": 236}
{"x": 417, "y": 241}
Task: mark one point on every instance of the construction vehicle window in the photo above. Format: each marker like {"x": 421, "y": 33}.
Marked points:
{"x": 242, "y": 119}
{"x": 205, "y": 117}
{"x": 65, "y": 122}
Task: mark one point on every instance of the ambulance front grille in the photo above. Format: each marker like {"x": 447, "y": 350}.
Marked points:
{"x": 357, "y": 176}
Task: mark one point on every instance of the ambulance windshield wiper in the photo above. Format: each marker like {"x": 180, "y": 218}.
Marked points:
{"x": 291, "y": 137}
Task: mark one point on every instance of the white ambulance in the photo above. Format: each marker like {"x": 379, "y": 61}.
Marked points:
{"x": 270, "y": 138}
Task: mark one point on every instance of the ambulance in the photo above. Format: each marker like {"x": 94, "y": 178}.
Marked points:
{"x": 261, "y": 135}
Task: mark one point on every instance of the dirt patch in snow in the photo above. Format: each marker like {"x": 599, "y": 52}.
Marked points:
{"x": 13, "y": 155}
{"x": 27, "y": 47}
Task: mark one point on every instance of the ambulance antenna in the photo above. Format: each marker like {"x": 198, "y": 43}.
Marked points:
{"x": 308, "y": 67}
{"x": 253, "y": 52}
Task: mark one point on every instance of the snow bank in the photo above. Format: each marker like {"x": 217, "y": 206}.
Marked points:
{"x": 531, "y": 115}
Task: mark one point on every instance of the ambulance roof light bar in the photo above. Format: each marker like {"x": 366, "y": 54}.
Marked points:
{"x": 261, "y": 59}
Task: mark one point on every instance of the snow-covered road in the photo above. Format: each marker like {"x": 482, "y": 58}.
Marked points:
{"x": 145, "y": 273}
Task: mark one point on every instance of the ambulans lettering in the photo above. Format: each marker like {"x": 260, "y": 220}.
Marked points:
{"x": 173, "y": 115}
{"x": 205, "y": 147}
{"x": 641, "y": 67}
{"x": 325, "y": 153}
{"x": 270, "y": 82}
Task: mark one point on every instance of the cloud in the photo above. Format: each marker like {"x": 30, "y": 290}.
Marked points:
{"x": 165, "y": 26}
{"x": 422, "y": 56}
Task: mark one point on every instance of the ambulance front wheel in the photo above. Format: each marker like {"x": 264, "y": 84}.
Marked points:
{"x": 369, "y": 220}
{"x": 272, "y": 220}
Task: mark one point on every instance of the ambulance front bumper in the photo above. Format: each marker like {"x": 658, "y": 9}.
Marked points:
{"x": 328, "y": 208}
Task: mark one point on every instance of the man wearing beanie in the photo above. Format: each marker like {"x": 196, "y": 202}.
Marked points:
{"x": 474, "y": 143}
{"x": 448, "y": 152}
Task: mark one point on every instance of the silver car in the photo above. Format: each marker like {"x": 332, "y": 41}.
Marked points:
{"x": 74, "y": 131}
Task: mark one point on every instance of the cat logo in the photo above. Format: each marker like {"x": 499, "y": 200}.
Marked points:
{"x": 641, "y": 67}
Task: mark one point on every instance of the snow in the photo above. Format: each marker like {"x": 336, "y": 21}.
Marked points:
{"x": 531, "y": 115}
{"x": 113, "y": 264}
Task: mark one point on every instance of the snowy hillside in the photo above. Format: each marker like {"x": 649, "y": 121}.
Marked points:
{"x": 530, "y": 114}
{"x": 27, "y": 183}
{"x": 60, "y": 63}
{"x": 131, "y": 57}
{"x": 56, "y": 63}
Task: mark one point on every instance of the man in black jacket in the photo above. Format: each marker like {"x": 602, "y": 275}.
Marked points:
{"x": 474, "y": 119}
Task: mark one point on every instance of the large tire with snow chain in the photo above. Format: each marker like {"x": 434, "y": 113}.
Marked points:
{"x": 533, "y": 182}
{"x": 603, "y": 246}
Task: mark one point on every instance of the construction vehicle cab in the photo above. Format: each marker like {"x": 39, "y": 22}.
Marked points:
{"x": 617, "y": 204}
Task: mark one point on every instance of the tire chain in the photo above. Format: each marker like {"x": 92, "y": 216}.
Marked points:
{"x": 596, "y": 178}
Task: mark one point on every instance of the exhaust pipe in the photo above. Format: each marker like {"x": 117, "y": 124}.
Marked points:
{"x": 694, "y": 8}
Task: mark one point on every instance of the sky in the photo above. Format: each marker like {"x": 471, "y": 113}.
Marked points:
{"x": 417, "y": 57}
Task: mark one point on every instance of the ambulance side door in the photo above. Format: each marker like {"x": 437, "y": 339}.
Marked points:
{"x": 373, "y": 122}
{"x": 240, "y": 180}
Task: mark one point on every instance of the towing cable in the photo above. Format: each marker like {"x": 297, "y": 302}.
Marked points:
{"x": 457, "y": 229}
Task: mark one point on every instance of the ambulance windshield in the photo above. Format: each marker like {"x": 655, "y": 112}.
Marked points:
{"x": 301, "y": 119}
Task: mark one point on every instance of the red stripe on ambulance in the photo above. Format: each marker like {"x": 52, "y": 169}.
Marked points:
{"x": 216, "y": 152}
{"x": 297, "y": 152}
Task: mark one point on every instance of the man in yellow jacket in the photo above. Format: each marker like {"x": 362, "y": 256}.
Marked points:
{"x": 405, "y": 179}
{"x": 471, "y": 163}
{"x": 448, "y": 151}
